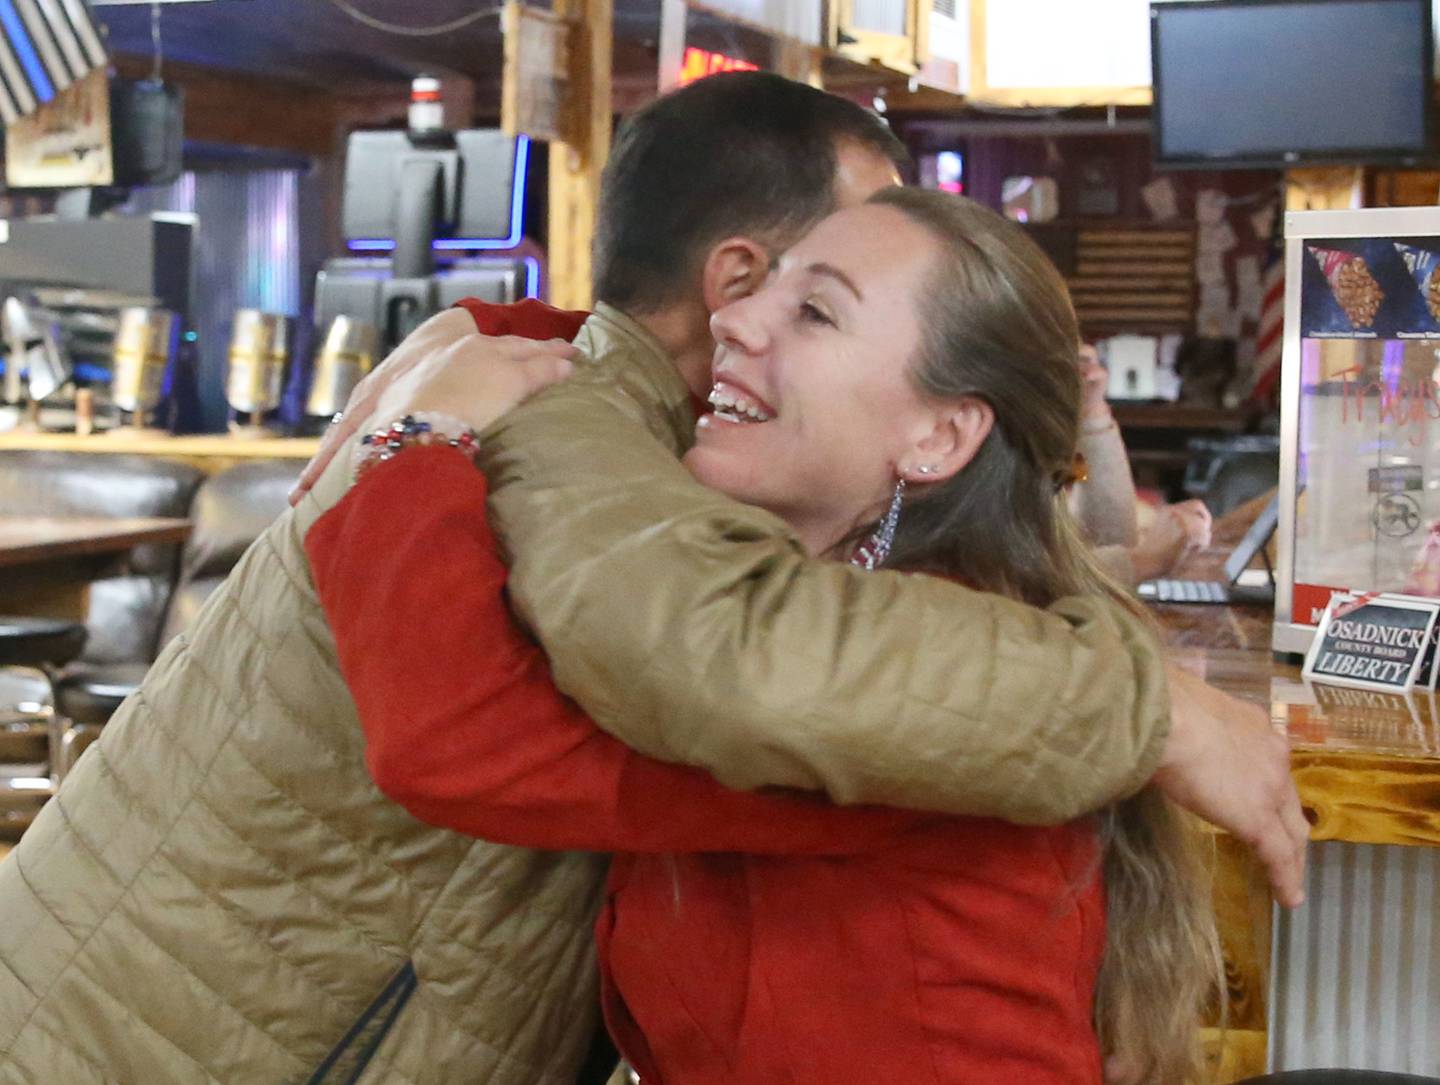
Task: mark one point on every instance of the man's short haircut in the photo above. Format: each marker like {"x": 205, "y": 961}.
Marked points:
{"x": 740, "y": 153}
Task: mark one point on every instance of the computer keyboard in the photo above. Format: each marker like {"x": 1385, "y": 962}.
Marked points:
{"x": 1188, "y": 591}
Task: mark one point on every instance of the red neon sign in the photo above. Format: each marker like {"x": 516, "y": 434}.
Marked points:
{"x": 698, "y": 63}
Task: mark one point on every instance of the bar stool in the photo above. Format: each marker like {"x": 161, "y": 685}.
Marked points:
{"x": 85, "y": 701}
{"x": 29, "y": 735}
{"x": 1339, "y": 1077}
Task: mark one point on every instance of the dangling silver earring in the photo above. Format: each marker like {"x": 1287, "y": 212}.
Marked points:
{"x": 872, "y": 553}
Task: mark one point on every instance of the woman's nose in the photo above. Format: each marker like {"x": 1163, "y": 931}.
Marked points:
{"x": 740, "y": 326}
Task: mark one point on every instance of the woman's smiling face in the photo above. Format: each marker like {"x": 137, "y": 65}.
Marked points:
{"x": 815, "y": 407}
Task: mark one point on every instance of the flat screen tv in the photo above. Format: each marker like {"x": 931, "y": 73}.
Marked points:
{"x": 1276, "y": 83}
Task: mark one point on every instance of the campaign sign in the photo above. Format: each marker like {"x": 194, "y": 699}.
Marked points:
{"x": 1375, "y": 642}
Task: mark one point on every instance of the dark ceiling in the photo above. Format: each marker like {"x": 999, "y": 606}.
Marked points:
{"x": 313, "y": 41}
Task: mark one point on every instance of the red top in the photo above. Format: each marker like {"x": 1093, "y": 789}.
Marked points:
{"x": 529, "y": 318}
{"x": 747, "y": 938}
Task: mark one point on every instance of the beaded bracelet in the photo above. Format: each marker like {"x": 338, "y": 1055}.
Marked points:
{"x": 417, "y": 430}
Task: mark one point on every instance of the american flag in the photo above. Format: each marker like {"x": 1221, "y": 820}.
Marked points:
{"x": 1269, "y": 333}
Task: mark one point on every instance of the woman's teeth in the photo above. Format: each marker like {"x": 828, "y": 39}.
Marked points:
{"x": 735, "y": 407}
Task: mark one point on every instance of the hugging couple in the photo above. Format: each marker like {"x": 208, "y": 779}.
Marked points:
{"x": 800, "y": 732}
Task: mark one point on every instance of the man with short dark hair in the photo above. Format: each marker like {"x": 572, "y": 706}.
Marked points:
{"x": 757, "y": 156}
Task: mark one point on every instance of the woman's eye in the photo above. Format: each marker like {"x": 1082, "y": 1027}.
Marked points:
{"x": 813, "y": 314}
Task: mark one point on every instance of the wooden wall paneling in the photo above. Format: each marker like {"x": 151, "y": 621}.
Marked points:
{"x": 1242, "y": 914}
{"x": 1134, "y": 276}
{"x": 247, "y": 111}
{"x": 1370, "y": 799}
{"x": 1404, "y": 188}
{"x": 1234, "y": 1054}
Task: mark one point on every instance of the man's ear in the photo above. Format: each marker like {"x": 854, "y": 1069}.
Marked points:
{"x": 734, "y": 268}
{"x": 953, "y": 437}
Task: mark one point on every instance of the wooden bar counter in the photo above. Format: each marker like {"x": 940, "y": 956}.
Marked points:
{"x": 209, "y": 452}
{"x": 1366, "y": 765}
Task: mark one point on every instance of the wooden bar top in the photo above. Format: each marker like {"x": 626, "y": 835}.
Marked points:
{"x": 26, "y": 540}
{"x": 156, "y": 443}
{"x": 1367, "y": 764}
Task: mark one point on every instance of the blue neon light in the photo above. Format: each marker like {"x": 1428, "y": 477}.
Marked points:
{"x": 532, "y": 277}
{"x": 89, "y": 371}
{"x": 465, "y": 244}
{"x": 19, "y": 39}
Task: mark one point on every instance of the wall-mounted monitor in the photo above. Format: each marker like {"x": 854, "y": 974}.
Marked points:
{"x": 1277, "y": 83}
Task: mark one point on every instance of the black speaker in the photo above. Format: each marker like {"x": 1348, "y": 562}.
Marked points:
{"x": 146, "y": 131}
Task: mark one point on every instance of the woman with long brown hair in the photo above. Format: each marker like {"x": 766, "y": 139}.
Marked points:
{"x": 903, "y": 393}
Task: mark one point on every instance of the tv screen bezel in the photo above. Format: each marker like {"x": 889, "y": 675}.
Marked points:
{"x": 1282, "y": 158}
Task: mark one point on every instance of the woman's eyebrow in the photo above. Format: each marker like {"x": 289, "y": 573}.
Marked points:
{"x": 830, "y": 271}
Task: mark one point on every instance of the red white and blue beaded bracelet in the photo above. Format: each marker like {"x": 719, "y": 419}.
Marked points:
{"x": 419, "y": 430}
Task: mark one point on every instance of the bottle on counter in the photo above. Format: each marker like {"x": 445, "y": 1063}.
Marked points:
{"x": 145, "y": 343}
{"x": 347, "y": 353}
{"x": 259, "y": 359}
{"x": 427, "y": 111}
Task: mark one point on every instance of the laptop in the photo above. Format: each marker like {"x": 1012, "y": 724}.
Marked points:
{"x": 1241, "y": 584}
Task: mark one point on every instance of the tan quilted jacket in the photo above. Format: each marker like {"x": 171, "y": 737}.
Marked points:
{"x": 220, "y": 894}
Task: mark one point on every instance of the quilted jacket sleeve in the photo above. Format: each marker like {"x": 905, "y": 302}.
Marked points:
{"x": 696, "y": 630}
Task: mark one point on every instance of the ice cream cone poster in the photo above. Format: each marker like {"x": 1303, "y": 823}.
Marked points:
{"x": 1352, "y": 285}
{"x": 1422, "y": 264}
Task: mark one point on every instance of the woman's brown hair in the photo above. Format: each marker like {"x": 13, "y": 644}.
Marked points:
{"x": 999, "y": 326}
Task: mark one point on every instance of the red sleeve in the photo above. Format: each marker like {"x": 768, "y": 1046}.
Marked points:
{"x": 463, "y": 725}
{"x": 528, "y": 318}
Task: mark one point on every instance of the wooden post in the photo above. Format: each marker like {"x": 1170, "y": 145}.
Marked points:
{"x": 796, "y": 60}
{"x": 575, "y": 166}
{"x": 1324, "y": 189}
{"x": 673, "y": 15}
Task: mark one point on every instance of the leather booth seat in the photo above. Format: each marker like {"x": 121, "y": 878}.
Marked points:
{"x": 228, "y": 513}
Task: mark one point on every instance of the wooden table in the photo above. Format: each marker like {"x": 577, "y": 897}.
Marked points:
{"x": 47, "y": 561}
